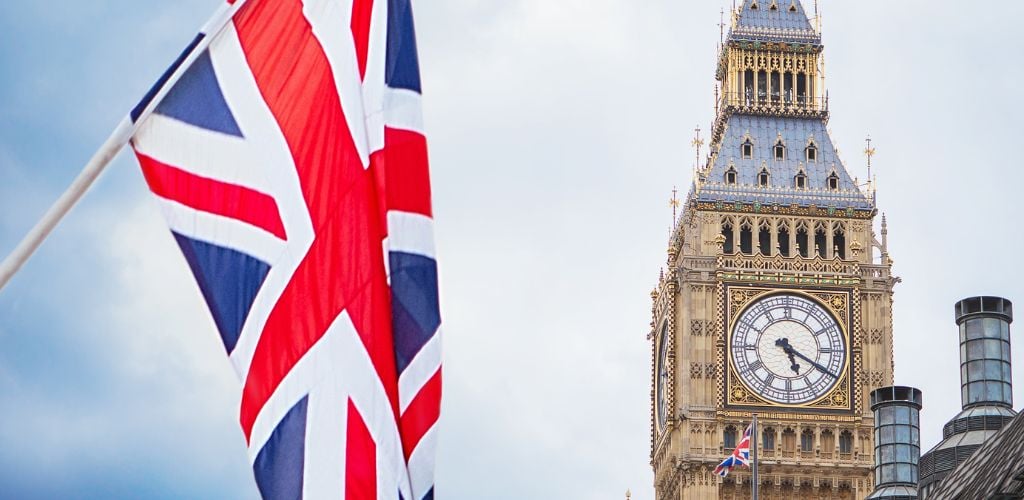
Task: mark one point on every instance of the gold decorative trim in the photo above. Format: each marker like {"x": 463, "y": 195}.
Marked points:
{"x": 787, "y": 417}
{"x": 784, "y": 279}
{"x": 842, "y": 396}
{"x": 794, "y": 210}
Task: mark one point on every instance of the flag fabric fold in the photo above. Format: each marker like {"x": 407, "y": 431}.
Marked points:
{"x": 740, "y": 456}
{"x": 290, "y": 162}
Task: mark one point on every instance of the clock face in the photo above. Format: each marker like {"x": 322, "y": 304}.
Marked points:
{"x": 788, "y": 349}
{"x": 661, "y": 374}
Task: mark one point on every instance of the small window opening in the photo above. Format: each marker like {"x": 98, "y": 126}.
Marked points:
{"x": 812, "y": 153}
{"x": 784, "y": 241}
{"x": 820, "y": 246}
{"x": 792, "y": 7}
{"x": 800, "y": 181}
{"x": 807, "y": 440}
{"x": 774, "y": 6}
{"x": 788, "y": 440}
{"x": 753, "y": 5}
{"x": 801, "y": 241}
{"x": 747, "y": 150}
{"x": 801, "y": 88}
{"x": 828, "y": 442}
{"x": 727, "y": 234}
{"x": 762, "y": 86}
{"x": 776, "y": 86}
{"x": 833, "y": 182}
{"x": 748, "y": 86}
{"x": 768, "y": 439}
{"x": 787, "y": 87}
{"x": 746, "y": 240}
{"x": 845, "y": 442}
{"x": 764, "y": 178}
{"x": 730, "y": 176}
{"x": 729, "y": 438}
{"x": 764, "y": 240}
{"x": 839, "y": 240}
{"x": 780, "y": 151}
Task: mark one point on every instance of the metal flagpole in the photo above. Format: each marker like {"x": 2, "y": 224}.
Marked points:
{"x": 754, "y": 483}
{"x": 117, "y": 140}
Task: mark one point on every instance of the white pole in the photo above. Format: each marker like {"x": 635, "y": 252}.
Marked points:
{"x": 63, "y": 205}
{"x": 117, "y": 140}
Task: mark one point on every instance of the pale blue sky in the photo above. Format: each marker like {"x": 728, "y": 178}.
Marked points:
{"x": 557, "y": 130}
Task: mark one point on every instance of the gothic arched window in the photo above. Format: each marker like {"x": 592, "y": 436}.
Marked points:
{"x": 746, "y": 237}
{"x": 764, "y": 238}
{"x": 800, "y": 181}
{"x": 845, "y": 442}
{"x": 783, "y": 241}
{"x": 807, "y": 440}
{"x": 780, "y": 151}
{"x": 768, "y": 439}
{"x": 839, "y": 242}
{"x": 828, "y": 441}
{"x": 730, "y": 176}
{"x": 801, "y": 240}
{"x": 788, "y": 440}
{"x": 729, "y": 438}
{"x": 728, "y": 245}
{"x": 764, "y": 178}
{"x": 820, "y": 243}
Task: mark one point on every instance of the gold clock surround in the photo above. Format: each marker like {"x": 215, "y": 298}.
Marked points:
{"x": 737, "y": 396}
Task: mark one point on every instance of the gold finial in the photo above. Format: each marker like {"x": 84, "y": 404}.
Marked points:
{"x": 869, "y": 152}
{"x": 628, "y": 494}
{"x": 674, "y": 203}
{"x": 697, "y": 143}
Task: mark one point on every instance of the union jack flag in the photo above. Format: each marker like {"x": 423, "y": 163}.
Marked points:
{"x": 290, "y": 163}
{"x": 740, "y": 455}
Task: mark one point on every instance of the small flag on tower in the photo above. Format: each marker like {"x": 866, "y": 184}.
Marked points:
{"x": 740, "y": 455}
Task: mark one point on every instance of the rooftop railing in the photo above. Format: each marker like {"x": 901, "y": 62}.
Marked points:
{"x": 787, "y": 102}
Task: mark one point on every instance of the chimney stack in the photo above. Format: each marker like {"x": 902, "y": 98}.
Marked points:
{"x": 986, "y": 387}
{"x": 897, "y": 442}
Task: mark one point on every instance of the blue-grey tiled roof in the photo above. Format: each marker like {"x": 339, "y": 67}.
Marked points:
{"x": 796, "y": 134}
{"x": 767, "y": 24}
{"x": 780, "y": 18}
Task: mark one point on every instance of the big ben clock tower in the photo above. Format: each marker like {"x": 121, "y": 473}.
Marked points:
{"x": 777, "y": 297}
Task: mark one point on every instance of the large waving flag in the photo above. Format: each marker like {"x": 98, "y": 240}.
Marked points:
{"x": 290, "y": 162}
{"x": 740, "y": 455}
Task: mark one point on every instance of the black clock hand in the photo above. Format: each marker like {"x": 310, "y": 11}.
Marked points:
{"x": 816, "y": 365}
{"x": 784, "y": 344}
